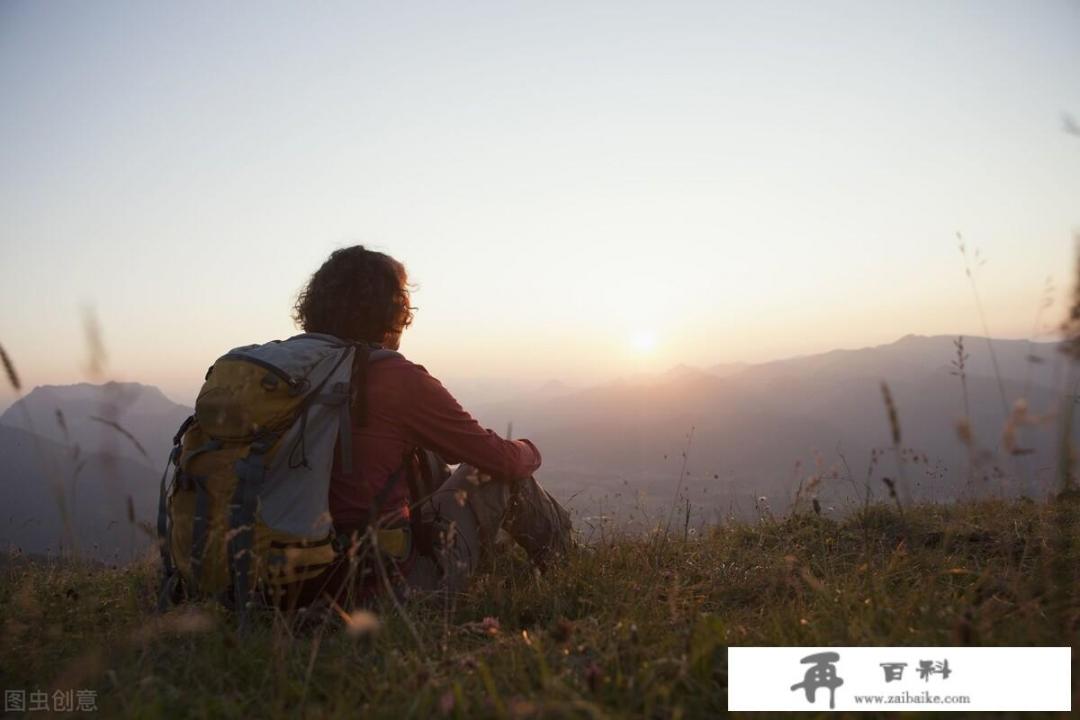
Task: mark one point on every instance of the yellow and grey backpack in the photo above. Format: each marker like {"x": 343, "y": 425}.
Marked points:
{"x": 246, "y": 508}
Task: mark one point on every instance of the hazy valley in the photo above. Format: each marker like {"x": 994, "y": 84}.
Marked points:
{"x": 615, "y": 452}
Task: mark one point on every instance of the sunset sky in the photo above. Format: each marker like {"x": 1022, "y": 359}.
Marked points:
{"x": 579, "y": 190}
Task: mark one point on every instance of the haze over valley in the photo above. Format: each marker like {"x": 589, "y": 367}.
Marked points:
{"x": 614, "y": 452}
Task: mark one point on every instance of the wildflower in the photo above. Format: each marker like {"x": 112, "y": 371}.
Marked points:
{"x": 360, "y": 623}
{"x": 490, "y": 625}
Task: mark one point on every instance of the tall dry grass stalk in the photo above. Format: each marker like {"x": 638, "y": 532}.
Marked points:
{"x": 959, "y": 369}
{"x": 124, "y": 432}
{"x": 68, "y": 537}
{"x": 96, "y": 369}
{"x": 682, "y": 478}
{"x": 95, "y": 344}
{"x": 1066, "y": 508}
{"x": 1070, "y": 347}
{"x": 964, "y": 431}
{"x": 9, "y": 370}
{"x": 971, "y": 267}
{"x": 897, "y": 440}
{"x": 1046, "y": 301}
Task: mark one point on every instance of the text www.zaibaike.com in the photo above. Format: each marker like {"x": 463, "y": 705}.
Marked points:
{"x": 906, "y": 698}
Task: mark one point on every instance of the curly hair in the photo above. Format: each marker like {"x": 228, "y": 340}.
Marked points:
{"x": 357, "y": 294}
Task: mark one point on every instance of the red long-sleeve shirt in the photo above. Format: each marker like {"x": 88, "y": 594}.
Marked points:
{"x": 406, "y": 408}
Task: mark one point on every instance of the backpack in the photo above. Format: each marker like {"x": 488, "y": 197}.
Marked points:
{"x": 246, "y": 513}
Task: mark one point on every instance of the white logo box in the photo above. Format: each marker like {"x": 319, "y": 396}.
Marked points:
{"x": 964, "y": 679}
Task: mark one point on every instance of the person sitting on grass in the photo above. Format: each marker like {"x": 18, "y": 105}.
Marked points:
{"x": 363, "y": 296}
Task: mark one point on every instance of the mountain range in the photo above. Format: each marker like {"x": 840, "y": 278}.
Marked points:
{"x": 729, "y": 439}
{"x": 128, "y": 420}
{"x": 761, "y": 429}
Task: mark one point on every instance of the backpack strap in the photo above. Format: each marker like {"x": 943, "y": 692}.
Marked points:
{"x": 358, "y": 384}
{"x": 200, "y": 528}
{"x": 423, "y": 539}
{"x": 163, "y": 515}
{"x": 356, "y": 409}
{"x": 388, "y": 487}
{"x": 169, "y": 577}
{"x": 250, "y": 473}
{"x": 365, "y": 355}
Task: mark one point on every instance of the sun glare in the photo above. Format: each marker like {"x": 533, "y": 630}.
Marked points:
{"x": 643, "y": 341}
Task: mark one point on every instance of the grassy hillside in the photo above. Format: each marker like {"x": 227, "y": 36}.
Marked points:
{"x": 628, "y": 627}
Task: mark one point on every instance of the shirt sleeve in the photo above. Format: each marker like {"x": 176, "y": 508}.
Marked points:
{"x": 442, "y": 425}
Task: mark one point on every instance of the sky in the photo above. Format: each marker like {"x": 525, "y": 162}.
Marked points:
{"x": 580, "y": 191}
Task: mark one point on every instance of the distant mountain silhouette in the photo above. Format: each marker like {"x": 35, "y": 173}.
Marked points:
{"x": 142, "y": 410}
{"x": 727, "y": 369}
{"x": 758, "y": 431}
{"x": 622, "y": 443}
{"x": 917, "y": 354}
{"x": 35, "y": 473}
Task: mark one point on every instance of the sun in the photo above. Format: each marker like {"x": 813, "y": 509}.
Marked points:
{"x": 643, "y": 341}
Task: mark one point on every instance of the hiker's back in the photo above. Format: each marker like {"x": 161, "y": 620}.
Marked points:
{"x": 294, "y": 480}
{"x": 382, "y": 441}
{"x": 247, "y": 507}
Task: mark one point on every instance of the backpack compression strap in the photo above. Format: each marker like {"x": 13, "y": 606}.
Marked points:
{"x": 169, "y": 576}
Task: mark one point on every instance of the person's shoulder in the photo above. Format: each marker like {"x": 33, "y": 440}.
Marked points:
{"x": 393, "y": 372}
{"x": 395, "y": 361}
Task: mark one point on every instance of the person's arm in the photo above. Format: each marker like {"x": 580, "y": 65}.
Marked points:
{"x": 442, "y": 425}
